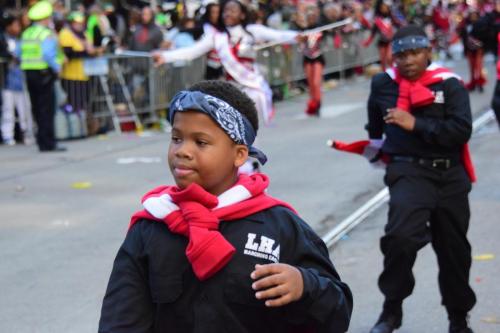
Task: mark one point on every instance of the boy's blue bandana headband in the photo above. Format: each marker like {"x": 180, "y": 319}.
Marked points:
{"x": 229, "y": 119}
{"x": 410, "y": 43}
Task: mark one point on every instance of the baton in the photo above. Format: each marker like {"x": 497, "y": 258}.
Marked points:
{"x": 306, "y": 32}
{"x": 129, "y": 53}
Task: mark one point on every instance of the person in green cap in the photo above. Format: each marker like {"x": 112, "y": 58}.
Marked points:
{"x": 41, "y": 62}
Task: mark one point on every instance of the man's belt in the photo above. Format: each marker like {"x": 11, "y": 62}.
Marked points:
{"x": 436, "y": 163}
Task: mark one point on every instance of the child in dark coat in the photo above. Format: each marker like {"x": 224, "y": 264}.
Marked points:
{"x": 216, "y": 253}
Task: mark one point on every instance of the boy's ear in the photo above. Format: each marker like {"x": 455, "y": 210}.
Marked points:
{"x": 429, "y": 55}
{"x": 241, "y": 155}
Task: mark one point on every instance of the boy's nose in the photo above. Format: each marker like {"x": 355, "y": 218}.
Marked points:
{"x": 183, "y": 152}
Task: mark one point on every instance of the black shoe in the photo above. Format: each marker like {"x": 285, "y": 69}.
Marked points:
{"x": 466, "y": 329}
{"x": 386, "y": 323}
{"x": 56, "y": 149}
{"x": 460, "y": 326}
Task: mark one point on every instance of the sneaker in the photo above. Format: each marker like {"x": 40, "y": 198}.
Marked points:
{"x": 10, "y": 142}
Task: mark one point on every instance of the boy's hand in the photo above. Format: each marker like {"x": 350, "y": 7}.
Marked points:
{"x": 281, "y": 282}
{"x": 401, "y": 118}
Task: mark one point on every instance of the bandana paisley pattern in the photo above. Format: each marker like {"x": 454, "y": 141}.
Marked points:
{"x": 227, "y": 117}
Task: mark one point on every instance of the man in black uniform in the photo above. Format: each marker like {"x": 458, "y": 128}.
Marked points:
{"x": 41, "y": 62}
{"x": 424, "y": 112}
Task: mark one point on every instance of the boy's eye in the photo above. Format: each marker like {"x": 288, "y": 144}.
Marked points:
{"x": 176, "y": 139}
{"x": 201, "y": 143}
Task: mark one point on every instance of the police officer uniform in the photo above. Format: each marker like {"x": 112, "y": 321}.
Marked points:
{"x": 41, "y": 63}
{"x": 429, "y": 189}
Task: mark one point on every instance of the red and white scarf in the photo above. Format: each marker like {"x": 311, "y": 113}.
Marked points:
{"x": 416, "y": 93}
{"x": 412, "y": 94}
{"x": 195, "y": 214}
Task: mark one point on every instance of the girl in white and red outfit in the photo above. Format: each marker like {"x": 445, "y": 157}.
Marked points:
{"x": 211, "y": 25}
{"x": 235, "y": 48}
{"x": 473, "y": 49}
{"x": 383, "y": 24}
{"x": 314, "y": 62}
{"x": 441, "y": 22}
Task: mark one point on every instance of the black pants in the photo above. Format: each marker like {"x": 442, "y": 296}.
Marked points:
{"x": 427, "y": 205}
{"x": 42, "y": 96}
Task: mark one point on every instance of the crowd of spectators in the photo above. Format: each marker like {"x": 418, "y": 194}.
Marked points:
{"x": 146, "y": 28}
{"x": 108, "y": 27}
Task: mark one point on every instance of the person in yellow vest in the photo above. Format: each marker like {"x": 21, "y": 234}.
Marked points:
{"x": 41, "y": 62}
{"x": 76, "y": 47}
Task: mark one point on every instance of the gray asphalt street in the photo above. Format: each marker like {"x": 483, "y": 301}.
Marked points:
{"x": 65, "y": 215}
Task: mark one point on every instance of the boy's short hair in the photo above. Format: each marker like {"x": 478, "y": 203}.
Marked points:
{"x": 231, "y": 94}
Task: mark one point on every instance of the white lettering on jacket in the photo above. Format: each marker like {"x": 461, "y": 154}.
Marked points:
{"x": 439, "y": 97}
{"x": 263, "y": 249}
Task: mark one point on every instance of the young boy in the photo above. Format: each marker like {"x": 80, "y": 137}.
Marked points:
{"x": 215, "y": 253}
{"x": 423, "y": 111}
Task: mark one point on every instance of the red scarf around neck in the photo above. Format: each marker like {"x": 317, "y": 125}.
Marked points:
{"x": 416, "y": 93}
{"x": 195, "y": 214}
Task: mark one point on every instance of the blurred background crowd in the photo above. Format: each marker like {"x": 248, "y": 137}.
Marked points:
{"x": 95, "y": 29}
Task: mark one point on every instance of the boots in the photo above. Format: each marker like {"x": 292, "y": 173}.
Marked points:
{"x": 387, "y": 323}
{"x": 458, "y": 322}
{"x": 476, "y": 84}
{"x": 460, "y": 328}
{"x": 390, "y": 319}
{"x": 313, "y": 107}
{"x": 480, "y": 84}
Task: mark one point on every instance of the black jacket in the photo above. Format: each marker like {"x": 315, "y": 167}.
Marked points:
{"x": 152, "y": 287}
{"x": 441, "y": 128}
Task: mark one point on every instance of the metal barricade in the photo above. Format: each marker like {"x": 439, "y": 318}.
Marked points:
{"x": 128, "y": 88}
{"x": 119, "y": 89}
{"x": 283, "y": 63}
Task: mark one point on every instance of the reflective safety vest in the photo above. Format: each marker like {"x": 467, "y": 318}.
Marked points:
{"x": 31, "y": 47}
